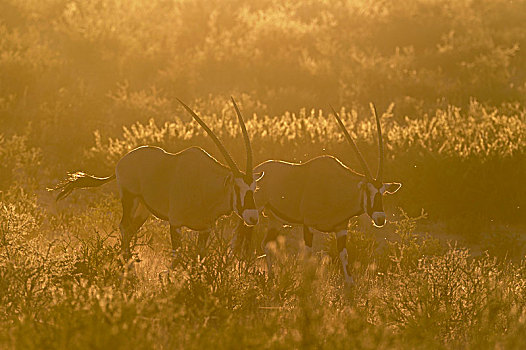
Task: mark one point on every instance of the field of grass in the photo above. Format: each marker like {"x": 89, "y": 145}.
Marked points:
{"x": 63, "y": 285}
{"x": 82, "y": 83}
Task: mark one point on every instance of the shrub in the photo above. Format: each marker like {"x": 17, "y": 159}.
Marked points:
{"x": 454, "y": 164}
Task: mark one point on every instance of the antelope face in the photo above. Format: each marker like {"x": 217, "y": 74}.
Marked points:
{"x": 244, "y": 204}
{"x": 372, "y": 199}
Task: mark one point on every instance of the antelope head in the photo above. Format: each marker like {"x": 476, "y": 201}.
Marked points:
{"x": 243, "y": 183}
{"x": 371, "y": 189}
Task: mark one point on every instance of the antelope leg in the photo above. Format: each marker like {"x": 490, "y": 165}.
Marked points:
{"x": 202, "y": 240}
{"x": 129, "y": 205}
{"x": 269, "y": 243}
{"x": 175, "y": 238}
{"x": 307, "y": 238}
{"x": 341, "y": 237}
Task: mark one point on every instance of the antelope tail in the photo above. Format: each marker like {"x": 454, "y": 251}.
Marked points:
{"x": 79, "y": 180}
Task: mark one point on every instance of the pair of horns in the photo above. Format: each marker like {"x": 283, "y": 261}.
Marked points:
{"x": 218, "y": 143}
{"x": 379, "y": 174}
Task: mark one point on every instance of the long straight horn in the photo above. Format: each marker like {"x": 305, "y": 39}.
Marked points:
{"x": 210, "y": 133}
{"x": 351, "y": 142}
{"x": 248, "y": 147}
{"x": 380, "y": 173}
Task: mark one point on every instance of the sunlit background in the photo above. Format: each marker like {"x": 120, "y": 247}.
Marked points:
{"x": 84, "y": 82}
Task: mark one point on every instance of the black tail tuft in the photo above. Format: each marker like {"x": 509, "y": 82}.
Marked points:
{"x": 79, "y": 180}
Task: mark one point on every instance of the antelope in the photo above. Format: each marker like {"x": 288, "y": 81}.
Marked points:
{"x": 189, "y": 188}
{"x": 322, "y": 195}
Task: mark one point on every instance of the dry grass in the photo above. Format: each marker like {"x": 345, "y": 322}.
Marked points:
{"x": 62, "y": 285}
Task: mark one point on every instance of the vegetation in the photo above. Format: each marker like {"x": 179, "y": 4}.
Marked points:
{"x": 62, "y": 286}
{"x": 82, "y": 83}
{"x": 110, "y": 62}
{"x": 455, "y": 164}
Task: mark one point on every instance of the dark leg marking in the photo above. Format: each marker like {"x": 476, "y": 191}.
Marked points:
{"x": 307, "y": 236}
{"x": 126, "y": 225}
{"x": 270, "y": 236}
{"x": 175, "y": 238}
{"x": 341, "y": 237}
{"x": 202, "y": 240}
{"x": 341, "y": 243}
{"x": 139, "y": 218}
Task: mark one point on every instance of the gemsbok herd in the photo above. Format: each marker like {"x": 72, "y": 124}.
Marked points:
{"x": 192, "y": 189}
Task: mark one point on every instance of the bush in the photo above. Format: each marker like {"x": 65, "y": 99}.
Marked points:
{"x": 70, "y": 293}
{"x": 106, "y": 64}
{"x": 456, "y": 165}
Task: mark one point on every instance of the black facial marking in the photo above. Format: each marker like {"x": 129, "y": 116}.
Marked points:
{"x": 238, "y": 201}
{"x": 249, "y": 200}
{"x": 341, "y": 242}
{"x": 377, "y": 204}
{"x": 248, "y": 179}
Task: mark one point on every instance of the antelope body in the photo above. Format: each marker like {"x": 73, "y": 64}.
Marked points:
{"x": 302, "y": 193}
{"x": 189, "y": 188}
{"x": 187, "y": 197}
{"x": 321, "y": 195}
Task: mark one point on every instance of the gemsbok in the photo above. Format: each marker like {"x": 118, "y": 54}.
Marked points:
{"x": 322, "y": 195}
{"x": 189, "y": 188}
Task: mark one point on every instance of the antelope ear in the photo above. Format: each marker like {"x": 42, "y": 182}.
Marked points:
{"x": 391, "y": 187}
{"x": 258, "y": 176}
